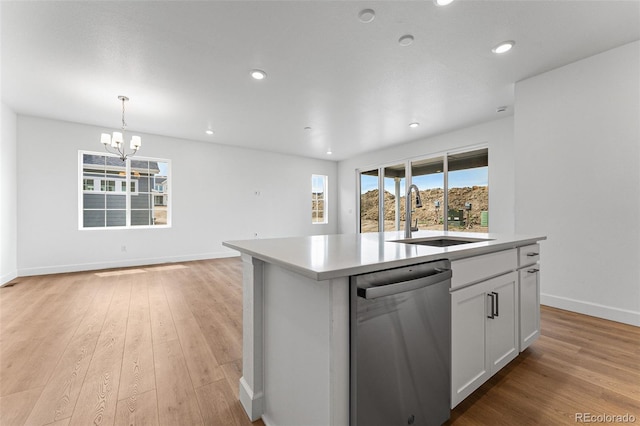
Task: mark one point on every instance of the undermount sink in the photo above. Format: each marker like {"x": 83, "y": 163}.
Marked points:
{"x": 441, "y": 241}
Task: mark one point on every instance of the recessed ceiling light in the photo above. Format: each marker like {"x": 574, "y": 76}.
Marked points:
{"x": 414, "y": 125}
{"x": 209, "y": 132}
{"x": 366, "y": 15}
{"x": 258, "y": 74}
{"x": 442, "y": 2}
{"x": 406, "y": 40}
{"x": 503, "y": 47}
{"x": 329, "y": 152}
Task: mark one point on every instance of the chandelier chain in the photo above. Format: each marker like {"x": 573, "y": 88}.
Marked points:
{"x": 124, "y": 124}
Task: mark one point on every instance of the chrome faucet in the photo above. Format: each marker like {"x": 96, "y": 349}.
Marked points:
{"x": 407, "y": 211}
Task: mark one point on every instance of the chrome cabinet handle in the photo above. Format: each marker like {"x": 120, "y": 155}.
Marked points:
{"x": 532, "y": 254}
{"x": 533, "y": 271}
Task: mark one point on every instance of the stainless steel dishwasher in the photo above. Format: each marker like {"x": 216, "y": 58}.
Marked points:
{"x": 400, "y": 346}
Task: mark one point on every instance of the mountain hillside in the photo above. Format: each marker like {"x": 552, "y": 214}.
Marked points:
{"x": 429, "y": 215}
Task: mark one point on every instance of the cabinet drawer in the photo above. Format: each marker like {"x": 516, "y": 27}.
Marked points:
{"x": 478, "y": 268}
{"x": 529, "y": 283}
{"x": 528, "y": 255}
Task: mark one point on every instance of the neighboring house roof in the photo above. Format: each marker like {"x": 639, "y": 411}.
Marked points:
{"x": 115, "y": 163}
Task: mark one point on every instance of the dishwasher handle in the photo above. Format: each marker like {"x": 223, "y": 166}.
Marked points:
{"x": 404, "y": 286}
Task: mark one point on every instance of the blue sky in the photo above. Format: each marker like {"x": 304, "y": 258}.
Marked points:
{"x": 164, "y": 168}
{"x": 317, "y": 183}
{"x": 478, "y": 176}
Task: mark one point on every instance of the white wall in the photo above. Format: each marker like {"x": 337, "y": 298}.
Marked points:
{"x": 8, "y": 196}
{"x": 214, "y": 199}
{"x": 577, "y": 157}
{"x": 497, "y": 134}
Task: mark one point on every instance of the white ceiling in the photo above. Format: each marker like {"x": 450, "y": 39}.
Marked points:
{"x": 185, "y": 65}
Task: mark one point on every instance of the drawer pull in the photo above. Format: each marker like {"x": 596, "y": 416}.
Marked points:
{"x": 532, "y": 254}
{"x": 533, "y": 271}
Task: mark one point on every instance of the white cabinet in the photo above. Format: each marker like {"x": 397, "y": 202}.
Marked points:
{"x": 528, "y": 255}
{"x": 529, "y": 287}
{"x": 502, "y": 324}
{"x": 469, "y": 366}
{"x": 479, "y": 268}
{"x": 495, "y": 314}
{"x": 484, "y": 332}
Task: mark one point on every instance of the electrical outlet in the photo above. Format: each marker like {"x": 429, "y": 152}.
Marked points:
{"x": 123, "y": 248}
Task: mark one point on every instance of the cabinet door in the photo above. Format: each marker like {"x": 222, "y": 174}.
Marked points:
{"x": 529, "y": 305}
{"x": 502, "y": 330}
{"x": 468, "y": 336}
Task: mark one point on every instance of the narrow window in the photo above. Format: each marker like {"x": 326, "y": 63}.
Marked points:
{"x": 428, "y": 175}
{"x": 393, "y": 192}
{"x": 369, "y": 201}
{"x": 319, "y": 199}
{"x": 468, "y": 191}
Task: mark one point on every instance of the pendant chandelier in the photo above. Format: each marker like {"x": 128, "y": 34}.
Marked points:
{"x": 115, "y": 144}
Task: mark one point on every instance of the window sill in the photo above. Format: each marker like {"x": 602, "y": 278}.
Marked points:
{"x": 107, "y": 228}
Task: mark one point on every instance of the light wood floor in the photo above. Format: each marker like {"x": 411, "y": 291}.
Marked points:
{"x": 138, "y": 346}
{"x": 579, "y": 365}
{"x": 162, "y": 345}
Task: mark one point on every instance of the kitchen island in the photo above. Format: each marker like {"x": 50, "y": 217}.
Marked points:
{"x": 296, "y": 312}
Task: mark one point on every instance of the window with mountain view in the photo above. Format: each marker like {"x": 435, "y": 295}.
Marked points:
{"x": 369, "y": 201}
{"x": 454, "y": 189}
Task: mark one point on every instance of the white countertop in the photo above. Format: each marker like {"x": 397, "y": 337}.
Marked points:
{"x": 322, "y": 257}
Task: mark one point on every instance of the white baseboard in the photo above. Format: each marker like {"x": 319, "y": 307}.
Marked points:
{"x": 8, "y": 277}
{"x": 251, "y": 402}
{"x": 58, "y": 269}
{"x": 593, "y": 309}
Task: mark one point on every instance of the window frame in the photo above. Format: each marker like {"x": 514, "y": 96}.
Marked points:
{"x": 129, "y": 181}
{"x": 325, "y": 203}
{"x": 409, "y": 178}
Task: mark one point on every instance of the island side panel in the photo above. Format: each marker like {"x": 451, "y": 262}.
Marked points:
{"x": 251, "y": 383}
{"x": 306, "y": 367}
{"x": 339, "y": 352}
